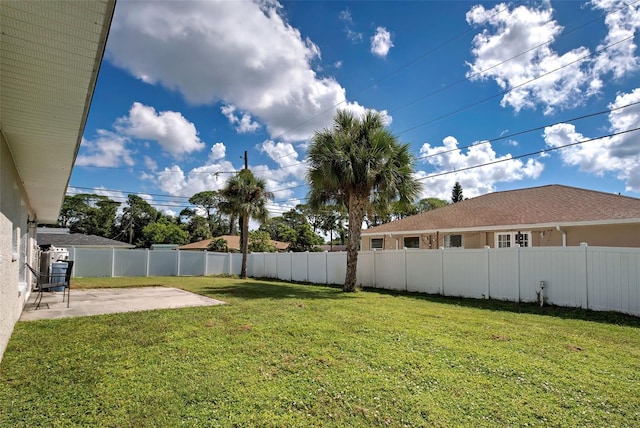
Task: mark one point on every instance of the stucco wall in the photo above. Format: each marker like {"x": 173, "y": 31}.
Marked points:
{"x": 16, "y": 242}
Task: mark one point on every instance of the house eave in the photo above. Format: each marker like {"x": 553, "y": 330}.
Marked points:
{"x": 529, "y": 226}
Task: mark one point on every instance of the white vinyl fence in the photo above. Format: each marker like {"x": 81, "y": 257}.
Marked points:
{"x": 599, "y": 278}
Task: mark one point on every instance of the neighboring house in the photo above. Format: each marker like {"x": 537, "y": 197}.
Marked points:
{"x": 333, "y": 248}
{"x": 545, "y": 216}
{"x": 61, "y": 238}
{"x": 50, "y": 54}
{"x": 233, "y": 244}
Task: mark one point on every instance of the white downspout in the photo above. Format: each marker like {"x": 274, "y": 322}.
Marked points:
{"x": 564, "y": 236}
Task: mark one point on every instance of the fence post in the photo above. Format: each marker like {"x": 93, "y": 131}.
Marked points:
{"x": 147, "y": 261}
{"x": 206, "y": 260}
{"x": 486, "y": 247}
{"x": 585, "y": 247}
{"x": 517, "y": 247}
{"x": 442, "y": 270}
{"x": 178, "y": 263}
{"x": 404, "y": 258}
{"x": 113, "y": 261}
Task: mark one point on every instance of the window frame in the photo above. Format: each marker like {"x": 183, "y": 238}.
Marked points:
{"x": 374, "y": 248}
{"x": 404, "y": 242}
{"x": 447, "y": 241}
{"x": 512, "y": 239}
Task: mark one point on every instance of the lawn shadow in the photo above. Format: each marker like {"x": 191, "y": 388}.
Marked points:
{"x": 607, "y": 317}
{"x": 268, "y": 290}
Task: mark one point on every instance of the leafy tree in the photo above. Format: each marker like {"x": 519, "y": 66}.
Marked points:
{"x": 163, "y": 231}
{"x": 209, "y": 202}
{"x": 333, "y": 219}
{"x": 260, "y": 242}
{"x": 89, "y": 214}
{"x": 245, "y": 196}
{"x": 196, "y": 226}
{"x": 218, "y": 245}
{"x": 292, "y": 227}
{"x": 135, "y": 216}
{"x": 357, "y": 163}
{"x": 428, "y": 204}
{"x": 456, "y": 193}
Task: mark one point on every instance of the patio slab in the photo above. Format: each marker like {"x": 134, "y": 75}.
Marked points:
{"x": 112, "y": 300}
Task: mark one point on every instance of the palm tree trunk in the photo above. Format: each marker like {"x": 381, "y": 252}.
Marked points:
{"x": 245, "y": 245}
{"x": 356, "y": 216}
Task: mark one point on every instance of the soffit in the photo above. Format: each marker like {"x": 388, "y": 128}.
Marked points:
{"x": 50, "y": 53}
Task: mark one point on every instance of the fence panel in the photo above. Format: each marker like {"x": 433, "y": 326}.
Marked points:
{"x": 424, "y": 271}
{"x": 270, "y": 265}
{"x": 255, "y": 265}
{"x": 283, "y": 266}
{"x": 466, "y": 273}
{"x": 504, "y": 276}
{"x": 217, "y": 263}
{"x": 191, "y": 263}
{"x": 336, "y": 268}
{"x": 365, "y": 276}
{"x": 163, "y": 263}
{"x": 299, "y": 267}
{"x": 390, "y": 269}
{"x": 130, "y": 263}
{"x": 563, "y": 270}
{"x": 614, "y": 279}
{"x": 235, "y": 261}
{"x": 317, "y": 268}
{"x": 90, "y": 262}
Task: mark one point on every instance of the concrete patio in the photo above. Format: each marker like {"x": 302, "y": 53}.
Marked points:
{"x": 112, "y": 300}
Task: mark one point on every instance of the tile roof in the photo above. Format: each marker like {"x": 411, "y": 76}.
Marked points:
{"x": 78, "y": 240}
{"x": 552, "y": 204}
{"x": 233, "y": 243}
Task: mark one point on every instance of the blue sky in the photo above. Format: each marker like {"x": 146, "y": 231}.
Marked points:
{"x": 186, "y": 87}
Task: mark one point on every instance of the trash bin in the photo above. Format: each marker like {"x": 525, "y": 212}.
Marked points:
{"x": 58, "y": 272}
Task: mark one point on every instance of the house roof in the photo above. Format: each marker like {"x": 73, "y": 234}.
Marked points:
{"x": 78, "y": 240}
{"x": 233, "y": 243}
{"x": 552, "y": 205}
{"x": 50, "y": 53}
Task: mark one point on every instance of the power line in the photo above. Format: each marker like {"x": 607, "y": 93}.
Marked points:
{"x": 538, "y": 152}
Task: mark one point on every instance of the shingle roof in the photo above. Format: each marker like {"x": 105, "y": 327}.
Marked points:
{"x": 233, "y": 243}
{"x": 552, "y": 204}
{"x": 78, "y": 240}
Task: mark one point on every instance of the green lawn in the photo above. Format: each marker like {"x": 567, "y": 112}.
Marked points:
{"x": 288, "y": 355}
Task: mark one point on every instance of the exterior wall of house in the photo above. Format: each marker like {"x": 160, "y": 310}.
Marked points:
{"x": 613, "y": 235}
{"x": 16, "y": 244}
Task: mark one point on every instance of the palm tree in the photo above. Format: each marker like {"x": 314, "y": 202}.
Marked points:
{"x": 246, "y": 196}
{"x": 358, "y": 163}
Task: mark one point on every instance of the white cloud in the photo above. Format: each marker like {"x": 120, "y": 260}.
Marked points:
{"x": 345, "y": 15}
{"x": 108, "y": 150}
{"x": 218, "y": 151}
{"x": 475, "y": 181}
{"x": 263, "y": 67}
{"x": 622, "y": 21}
{"x": 174, "y": 181}
{"x": 337, "y": 64}
{"x": 175, "y": 134}
{"x": 381, "y": 42}
{"x": 618, "y": 155}
{"x": 515, "y": 51}
{"x": 150, "y": 163}
{"x": 285, "y": 155}
{"x": 499, "y": 55}
{"x": 243, "y": 124}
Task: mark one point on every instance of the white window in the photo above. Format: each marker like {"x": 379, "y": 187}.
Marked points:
{"x": 511, "y": 239}
{"x": 454, "y": 241}
{"x": 377, "y": 243}
{"x": 412, "y": 242}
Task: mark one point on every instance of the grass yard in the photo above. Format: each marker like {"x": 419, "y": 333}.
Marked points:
{"x": 286, "y": 355}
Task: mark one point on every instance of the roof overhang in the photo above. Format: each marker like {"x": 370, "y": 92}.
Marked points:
{"x": 50, "y": 54}
{"x": 505, "y": 227}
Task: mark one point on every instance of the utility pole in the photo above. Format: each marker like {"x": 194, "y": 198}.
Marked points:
{"x": 246, "y": 160}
